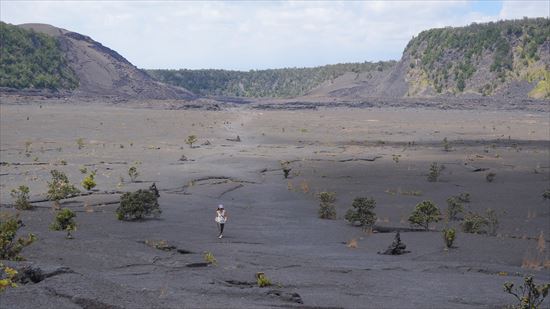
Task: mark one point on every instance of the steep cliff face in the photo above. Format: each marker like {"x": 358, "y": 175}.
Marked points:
{"x": 103, "y": 72}
{"x": 506, "y": 58}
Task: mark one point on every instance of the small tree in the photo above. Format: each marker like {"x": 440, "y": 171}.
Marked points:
{"x": 454, "y": 208}
{"x": 191, "y": 139}
{"x": 425, "y": 213}
{"x": 88, "y": 182}
{"x": 64, "y": 221}
{"x": 435, "y": 171}
{"x": 209, "y": 258}
{"x": 449, "y": 236}
{"x": 10, "y": 246}
{"x": 21, "y": 196}
{"x": 529, "y": 295}
{"x": 133, "y": 173}
{"x": 136, "y": 205}
{"x": 362, "y": 212}
{"x": 326, "y": 207}
{"x": 60, "y": 188}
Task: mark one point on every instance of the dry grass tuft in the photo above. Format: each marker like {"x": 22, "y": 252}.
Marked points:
{"x": 352, "y": 244}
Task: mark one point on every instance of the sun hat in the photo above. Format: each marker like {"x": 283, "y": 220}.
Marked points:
{"x": 220, "y": 206}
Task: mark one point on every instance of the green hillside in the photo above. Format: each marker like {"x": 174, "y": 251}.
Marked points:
{"x": 288, "y": 82}
{"x": 480, "y": 58}
{"x": 32, "y": 60}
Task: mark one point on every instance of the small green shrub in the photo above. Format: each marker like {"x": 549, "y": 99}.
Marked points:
{"x": 449, "y": 236}
{"x": 454, "y": 208}
{"x": 474, "y": 223}
{"x": 209, "y": 258}
{"x": 133, "y": 173}
{"x": 83, "y": 170}
{"x": 138, "y": 204}
{"x": 88, "y": 182}
{"x": 362, "y": 212}
{"x": 490, "y": 177}
{"x": 191, "y": 139}
{"x": 60, "y": 188}
{"x": 10, "y": 246}
{"x": 262, "y": 280}
{"x": 546, "y": 194}
{"x": 425, "y": 213}
{"x": 21, "y": 196}
{"x": 64, "y": 221}
{"x": 7, "y": 277}
{"x": 326, "y": 207}
{"x": 529, "y": 295}
{"x": 464, "y": 197}
{"x": 435, "y": 171}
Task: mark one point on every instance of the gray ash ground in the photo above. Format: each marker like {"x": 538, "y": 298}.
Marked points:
{"x": 273, "y": 225}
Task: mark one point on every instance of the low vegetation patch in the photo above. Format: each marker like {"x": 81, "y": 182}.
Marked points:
{"x": 64, "y": 221}
{"x": 21, "y": 196}
{"x": 133, "y": 173}
{"x": 209, "y": 258}
{"x": 10, "y": 245}
{"x": 327, "y": 210}
{"x": 262, "y": 280}
{"x": 529, "y": 295}
{"x": 454, "y": 208}
{"x": 7, "y": 277}
{"x": 449, "y": 236}
{"x": 136, "y": 205}
{"x": 435, "y": 171}
{"x": 88, "y": 182}
{"x": 60, "y": 187}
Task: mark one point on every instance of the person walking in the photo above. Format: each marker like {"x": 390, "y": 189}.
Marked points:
{"x": 221, "y": 218}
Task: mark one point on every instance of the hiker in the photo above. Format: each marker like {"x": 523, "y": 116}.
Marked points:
{"x": 221, "y": 218}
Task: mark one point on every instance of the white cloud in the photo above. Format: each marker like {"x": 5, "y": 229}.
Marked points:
{"x": 253, "y": 35}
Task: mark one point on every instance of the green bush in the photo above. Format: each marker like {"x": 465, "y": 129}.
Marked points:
{"x": 209, "y": 258}
{"x": 262, "y": 280}
{"x": 449, "y": 236}
{"x": 454, "y": 208}
{"x": 464, "y": 197}
{"x": 326, "y": 207}
{"x": 10, "y": 246}
{"x": 490, "y": 177}
{"x": 362, "y": 212}
{"x": 191, "y": 139}
{"x": 529, "y": 295}
{"x": 435, "y": 171}
{"x": 425, "y": 213}
{"x": 88, "y": 182}
{"x": 64, "y": 221}
{"x": 546, "y": 194}
{"x": 133, "y": 173}
{"x": 60, "y": 188}
{"x": 21, "y": 196}
{"x": 138, "y": 204}
{"x": 474, "y": 223}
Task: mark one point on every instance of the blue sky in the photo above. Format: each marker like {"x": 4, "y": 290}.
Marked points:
{"x": 246, "y": 35}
